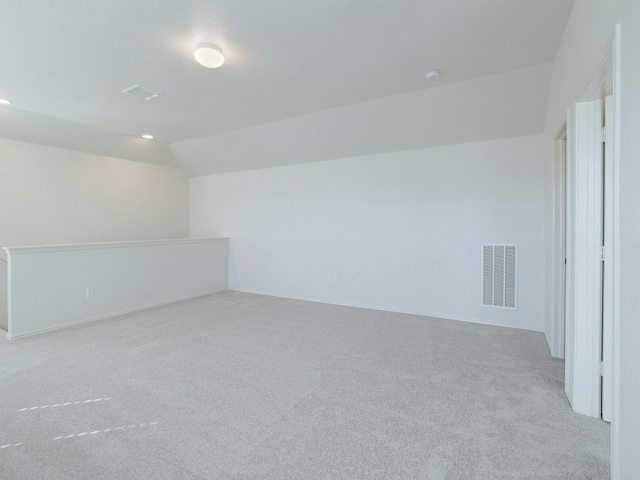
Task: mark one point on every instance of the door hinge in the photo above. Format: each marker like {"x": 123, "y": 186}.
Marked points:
{"x": 602, "y": 369}
{"x": 604, "y": 134}
{"x": 602, "y": 253}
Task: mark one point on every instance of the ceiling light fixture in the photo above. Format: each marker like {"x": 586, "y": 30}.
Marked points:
{"x": 209, "y": 55}
{"x": 4, "y": 102}
{"x": 433, "y": 75}
{"x": 147, "y": 136}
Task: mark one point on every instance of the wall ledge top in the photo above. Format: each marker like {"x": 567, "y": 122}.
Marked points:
{"x": 96, "y": 246}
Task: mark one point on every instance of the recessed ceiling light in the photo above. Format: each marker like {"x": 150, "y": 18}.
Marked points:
{"x": 209, "y": 55}
{"x": 433, "y": 75}
{"x": 4, "y": 102}
{"x": 147, "y": 136}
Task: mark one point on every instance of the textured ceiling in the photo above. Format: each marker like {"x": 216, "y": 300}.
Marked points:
{"x": 65, "y": 63}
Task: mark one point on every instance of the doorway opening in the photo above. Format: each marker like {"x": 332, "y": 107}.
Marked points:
{"x": 590, "y": 313}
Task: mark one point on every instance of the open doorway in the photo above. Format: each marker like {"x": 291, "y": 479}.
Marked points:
{"x": 591, "y": 253}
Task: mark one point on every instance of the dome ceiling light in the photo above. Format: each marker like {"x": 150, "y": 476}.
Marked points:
{"x": 209, "y": 55}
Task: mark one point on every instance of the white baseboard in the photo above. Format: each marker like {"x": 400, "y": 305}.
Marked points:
{"x": 344, "y": 304}
{"x": 394, "y": 310}
{"x": 115, "y": 314}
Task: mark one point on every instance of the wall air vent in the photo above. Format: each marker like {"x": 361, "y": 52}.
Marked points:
{"x": 499, "y": 276}
{"x": 141, "y": 92}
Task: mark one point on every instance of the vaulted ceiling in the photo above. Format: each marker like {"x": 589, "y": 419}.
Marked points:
{"x": 294, "y": 71}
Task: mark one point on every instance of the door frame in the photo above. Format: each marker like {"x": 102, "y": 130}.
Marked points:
{"x": 583, "y": 342}
{"x": 559, "y": 242}
{"x": 609, "y": 272}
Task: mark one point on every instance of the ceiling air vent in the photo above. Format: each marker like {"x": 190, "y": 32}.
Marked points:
{"x": 499, "y": 276}
{"x": 141, "y": 92}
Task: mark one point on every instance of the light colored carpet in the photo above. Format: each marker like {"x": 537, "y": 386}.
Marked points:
{"x": 240, "y": 386}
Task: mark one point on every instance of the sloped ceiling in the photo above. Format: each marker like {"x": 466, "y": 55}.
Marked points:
{"x": 303, "y": 81}
{"x": 497, "y": 106}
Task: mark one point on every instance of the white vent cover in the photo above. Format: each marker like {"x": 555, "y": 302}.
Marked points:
{"x": 141, "y": 92}
{"x": 499, "y": 276}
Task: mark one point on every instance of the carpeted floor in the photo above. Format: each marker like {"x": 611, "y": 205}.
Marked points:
{"x": 240, "y": 386}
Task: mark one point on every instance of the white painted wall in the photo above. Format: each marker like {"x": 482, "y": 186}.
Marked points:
{"x": 54, "y": 196}
{"x": 47, "y": 285}
{"x": 410, "y": 224}
{"x": 591, "y": 24}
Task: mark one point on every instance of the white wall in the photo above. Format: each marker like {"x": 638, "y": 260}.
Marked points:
{"x": 124, "y": 276}
{"x": 52, "y": 196}
{"x": 591, "y": 24}
{"x": 410, "y": 224}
